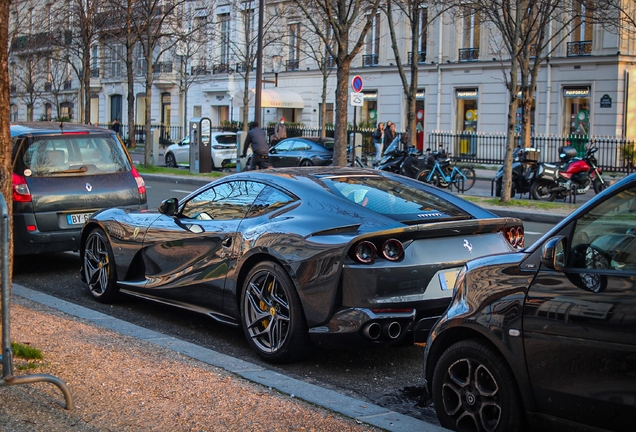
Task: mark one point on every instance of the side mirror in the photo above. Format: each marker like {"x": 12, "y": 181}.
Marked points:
{"x": 169, "y": 207}
{"x": 272, "y": 150}
{"x": 553, "y": 256}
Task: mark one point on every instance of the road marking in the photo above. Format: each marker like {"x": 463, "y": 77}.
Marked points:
{"x": 533, "y": 232}
{"x": 180, "y": 191}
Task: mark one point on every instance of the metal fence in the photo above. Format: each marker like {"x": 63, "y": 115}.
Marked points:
{"x": 614, "y": 154}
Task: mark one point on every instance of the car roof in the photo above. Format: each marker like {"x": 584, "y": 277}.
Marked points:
{"x": 47, "y": 128}
{"x": 317, "y": 140}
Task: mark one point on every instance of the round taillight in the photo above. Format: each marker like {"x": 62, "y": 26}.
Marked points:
{"x": 515, "y": 236}
{"x": 365, "y": 252}
{"x": 392, "y": 250}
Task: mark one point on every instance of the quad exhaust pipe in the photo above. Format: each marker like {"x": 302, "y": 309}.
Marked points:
{"x": 373, "y": 331}
{"x": 393, "y": 330}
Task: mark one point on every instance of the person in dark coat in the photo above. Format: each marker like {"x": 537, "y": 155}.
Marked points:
{"x": 256, "y": 138}
{"x": 115, "y": 126}
{"x": 389, "y": 135}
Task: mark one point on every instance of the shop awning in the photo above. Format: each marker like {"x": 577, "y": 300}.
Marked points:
{"x": 272, "y": 98}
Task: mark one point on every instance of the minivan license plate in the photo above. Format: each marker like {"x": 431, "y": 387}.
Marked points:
{"x": 77, "y": 219}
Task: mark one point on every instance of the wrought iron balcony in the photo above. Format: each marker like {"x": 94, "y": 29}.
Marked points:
{"x": 292, "y": 65}
{"x": 67, "y": 85}
{"x": 221, "y": 68}
{"x": 48, "y": 86}
{"x": 468, "y": 54}
{"x": 370, "y": 60}
{"x": 581, "y": 48}
{"x": 199, "y": 70}
{"x": 95, "y": 72}
{"x": 242, "y": 67}
{"x": 421, "y": 57}
{"x": 162, "y": 67}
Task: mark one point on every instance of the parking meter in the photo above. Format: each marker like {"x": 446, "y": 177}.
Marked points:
{"x": 200, "y": 150}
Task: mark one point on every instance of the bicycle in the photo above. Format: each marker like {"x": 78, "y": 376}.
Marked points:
{"x": 462, "y": 178}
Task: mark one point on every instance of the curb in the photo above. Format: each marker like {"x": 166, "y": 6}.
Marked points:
{"x": 358, "y": 410}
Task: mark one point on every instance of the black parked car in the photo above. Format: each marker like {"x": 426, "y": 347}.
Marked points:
{"x": 302, "y": 151}
{"x": 548, "y": 334}
{"x": 337, "y": 256}
{"x": 62, "y": 174}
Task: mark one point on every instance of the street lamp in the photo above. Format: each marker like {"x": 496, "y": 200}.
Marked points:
{"x": 277, "y": 63}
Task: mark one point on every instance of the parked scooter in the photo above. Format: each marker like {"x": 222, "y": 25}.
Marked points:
{"x": 571, "y": 175}
{"x": 392, "y": 158}
{"x": 413, "y": 163}
{"x": 524, "y": 168}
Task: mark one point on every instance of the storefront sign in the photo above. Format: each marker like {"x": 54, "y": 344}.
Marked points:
{"x": 420, "y": 94}
{"x": 606, "y": 101}
{"x": 467, "y": 94}
{"x": 579, "y": 92}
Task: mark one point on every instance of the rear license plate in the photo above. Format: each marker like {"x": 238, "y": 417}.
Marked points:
{"x": 447, "y": 279}
{"x": 77, "y": 219}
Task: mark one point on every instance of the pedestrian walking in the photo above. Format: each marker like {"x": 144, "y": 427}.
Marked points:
{"x": 260, "y": 156}
{"x": 378, "y": 137}
{"x": 389, "y": 135}
{"x": 280, "y": 131}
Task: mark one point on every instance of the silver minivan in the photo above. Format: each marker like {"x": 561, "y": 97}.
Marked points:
{"x": 62, "y": 174}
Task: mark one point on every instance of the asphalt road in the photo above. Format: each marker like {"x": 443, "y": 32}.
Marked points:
{"x": 391, "y": 378}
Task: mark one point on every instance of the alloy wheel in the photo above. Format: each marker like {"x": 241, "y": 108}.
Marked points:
{"x": 97, "y": 264}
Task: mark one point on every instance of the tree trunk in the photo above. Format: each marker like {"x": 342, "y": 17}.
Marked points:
{"x": 5, "y": 136}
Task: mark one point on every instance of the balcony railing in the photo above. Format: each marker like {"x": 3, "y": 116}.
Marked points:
{"x": 95, "y": 72}
{"x": 468, "y": 54}
{"x": 581, "y": 48}
{"x": 221, "y": 68}
{"x": 48, "y": 86}
{"x": 370, "y": 60}
{"x": 68, "y": 85}
{"x": 292, "y": 65}
{"x": 421, "y": 57}
{"x": 242, "y": 67}
{"x": 199, "y": 70}
{"x": 162, "y": 67}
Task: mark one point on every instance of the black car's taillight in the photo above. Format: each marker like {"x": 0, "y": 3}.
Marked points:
{"x": 21, "y": 192}
{"x": 367, "y": 251}
{"x": 515, "y": 236}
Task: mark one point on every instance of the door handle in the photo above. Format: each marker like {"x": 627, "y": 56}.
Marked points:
{"x": 227, "y": 242}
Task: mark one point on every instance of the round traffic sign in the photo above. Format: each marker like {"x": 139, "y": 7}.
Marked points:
{"x": 356, "y": 83}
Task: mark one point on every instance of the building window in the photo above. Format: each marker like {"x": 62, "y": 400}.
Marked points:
{"x": 224, "y": 24}
{"x": 576, "y": 115}
{"x": 66, "y": 111}
{"x": 372, "y": 44}
{"x": 115, "y": 61}
{"x": 467, "y": 102}
{"x": 422, "y": 40}
{"x": 13, "y": 113}
{"x": 294, "y": 47}
{"x": 369, "y": 111}
{"x": 471, "y": 34}
{"x": 582, "y": 30}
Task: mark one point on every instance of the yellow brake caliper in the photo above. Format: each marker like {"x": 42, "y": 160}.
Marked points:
{"x": 263, "y": 306}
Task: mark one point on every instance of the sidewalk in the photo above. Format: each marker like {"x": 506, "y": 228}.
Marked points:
{"x": 126, "y": 378}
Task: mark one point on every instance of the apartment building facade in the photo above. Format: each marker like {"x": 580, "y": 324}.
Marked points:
{"x": 587, "y": 86}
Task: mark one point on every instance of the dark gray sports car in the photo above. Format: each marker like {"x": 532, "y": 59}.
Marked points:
{"x": 330, "y": 255}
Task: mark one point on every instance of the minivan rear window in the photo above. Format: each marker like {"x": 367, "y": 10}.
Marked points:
{"x": 88, "y": 154}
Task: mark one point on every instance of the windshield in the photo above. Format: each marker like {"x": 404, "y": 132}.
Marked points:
{"x": 394, "y": 199}
{"x": 226, "y": 139}
{"x": 74, "y": 154}
{"x": 392, "y": 147}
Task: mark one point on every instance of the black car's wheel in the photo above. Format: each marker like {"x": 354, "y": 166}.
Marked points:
{"x": 540, "y": 190}
{"x": 99, "y": 267}
{"x": 171, "y": 162}
{"x": 598, "y": 186}
{"x": 474, "y": 389}
{"x": 305, "y": 162}
{"x": 271, "y": 314}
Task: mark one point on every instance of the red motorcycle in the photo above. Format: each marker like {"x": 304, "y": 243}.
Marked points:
{"x": 572, "y": 175}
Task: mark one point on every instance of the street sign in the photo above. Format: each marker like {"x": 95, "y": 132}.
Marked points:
{"x": 357, "y": 99}
{"x": 356, "y": 84}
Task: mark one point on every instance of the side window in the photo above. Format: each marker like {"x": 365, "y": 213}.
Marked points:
{"x": 604, "y": 238}
{"x": 227, "y": 201}
{"x": 270, "y": 199}
{"x": 300, "y": 146}
{"x": 284, "y": 146}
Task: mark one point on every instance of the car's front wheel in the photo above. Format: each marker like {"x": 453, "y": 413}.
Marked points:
{"x": 171, "y": 161}
{"x": 99, "y": 267}
{"x": 272, "y": 316}
{"x": 474, "y": 389}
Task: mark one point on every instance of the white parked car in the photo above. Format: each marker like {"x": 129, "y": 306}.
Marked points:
{"x": 223, "y": 147}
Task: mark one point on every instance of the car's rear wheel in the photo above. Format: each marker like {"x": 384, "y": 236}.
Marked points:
{"x": 99, "y": 267}
{"x": 171, "y": 162}
{"x": 474, "y": 389}
{"x": 272, "y": 316}
{"x": 305, "y": 162}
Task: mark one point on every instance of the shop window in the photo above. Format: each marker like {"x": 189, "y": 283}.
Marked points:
{"x": 369, "y": 111}
{"x": 467, "y": 117}
{"x": 576, "y": 117}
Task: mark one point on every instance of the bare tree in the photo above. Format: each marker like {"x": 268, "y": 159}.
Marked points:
{"x": 346, "y": 19}
{"x": 29, "y": 81}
